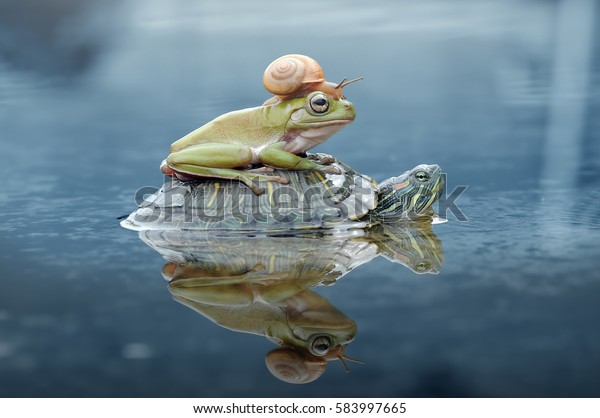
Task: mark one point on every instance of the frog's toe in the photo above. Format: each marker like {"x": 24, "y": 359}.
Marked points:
{"x": 277, "y": 179}
{"x": 166, "y": 170}
{"x": 260, "y": 170}
{"x": 248, "y": 180}
{"x": 280, "y": 179}
{"x": 321, "y": 158}
{"x": 257, "y": 190}
{"x": 326, "y": 159}
{"x": 330, "y": 170}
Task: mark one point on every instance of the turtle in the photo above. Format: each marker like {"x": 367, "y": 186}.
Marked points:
{"x": 248, "y": 262}
{"x": 311, "y": 200}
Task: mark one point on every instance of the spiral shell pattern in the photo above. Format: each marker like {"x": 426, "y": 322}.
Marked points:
{"x": 290, "y": 73}
{"x": 294, "y": 366}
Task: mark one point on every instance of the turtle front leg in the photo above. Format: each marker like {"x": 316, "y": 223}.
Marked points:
{"x": 275, "y": 156}
{"x": 219, "y": 161}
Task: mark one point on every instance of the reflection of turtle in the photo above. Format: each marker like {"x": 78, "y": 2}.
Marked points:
{"x": 311, "y": 200}
{"x": 262, "y": 284}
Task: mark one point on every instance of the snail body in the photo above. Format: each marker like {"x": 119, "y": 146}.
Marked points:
{"x": 296, "y": 75}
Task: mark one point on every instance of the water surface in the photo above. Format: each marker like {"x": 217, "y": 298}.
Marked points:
{"x": 502, "y": 94}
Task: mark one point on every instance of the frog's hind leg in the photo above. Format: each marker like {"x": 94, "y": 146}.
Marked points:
{"x": 249, "y": 179}
{"x": 219, "y": 161}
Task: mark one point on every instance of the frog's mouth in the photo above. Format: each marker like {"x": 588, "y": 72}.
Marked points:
{"x": 319, "y": 123}
{"x": 323, "y": 129}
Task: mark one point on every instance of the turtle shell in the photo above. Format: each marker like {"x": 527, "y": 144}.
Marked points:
{"x": 311, "y": 200}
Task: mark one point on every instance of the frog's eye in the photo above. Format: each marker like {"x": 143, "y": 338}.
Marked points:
{"x": 321, "y": 345}
{"x": 319, "y": 103}
{"x": 422, "y": 176}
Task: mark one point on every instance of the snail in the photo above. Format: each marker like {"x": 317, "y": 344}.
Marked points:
{"x": 295, "y": 75}
{"x": 294, "y": 366}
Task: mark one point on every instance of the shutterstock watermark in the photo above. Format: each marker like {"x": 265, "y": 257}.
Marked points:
{"x": 446, "y": 203}
{"x": 223, "y": 203}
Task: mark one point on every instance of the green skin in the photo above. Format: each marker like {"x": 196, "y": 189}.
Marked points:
{"x": 270, "y": 135}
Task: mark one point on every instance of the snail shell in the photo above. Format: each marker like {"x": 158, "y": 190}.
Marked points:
{"x": 294, "y": 366}
{"x": 292, "y": 74}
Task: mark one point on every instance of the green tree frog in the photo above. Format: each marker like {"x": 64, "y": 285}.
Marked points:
{"x": 274, "y": 135}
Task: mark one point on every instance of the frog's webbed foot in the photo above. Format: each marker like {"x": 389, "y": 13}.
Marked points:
{"x": 329, "y": 169}
{"x": 252, "y": 179}
{"x": 259, "y": 174}
{"x": 321, "y": 158}
{"x": 276, "y": 156}
{"x": 260, "y": 170}
{"x": 324, "y": 162}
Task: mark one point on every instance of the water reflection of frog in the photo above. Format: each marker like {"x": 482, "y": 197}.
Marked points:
{"x": 308, "y": 329}
{"x": 262, "y": 285}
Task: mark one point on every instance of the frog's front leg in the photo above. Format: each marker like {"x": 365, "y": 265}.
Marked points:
{"x": 220, "y": 161}
{"x": 275, "y": 156}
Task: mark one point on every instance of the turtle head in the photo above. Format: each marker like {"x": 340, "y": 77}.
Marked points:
{"x": 411, "y": 194}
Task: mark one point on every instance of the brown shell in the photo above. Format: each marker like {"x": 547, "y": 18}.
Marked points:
{"x": 292, "y": 73}
{"x": 294, "y": 366}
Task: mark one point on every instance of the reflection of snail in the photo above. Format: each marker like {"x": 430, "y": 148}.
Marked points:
{"x": 295, "y": 366}
{"x": 296, "y": 75}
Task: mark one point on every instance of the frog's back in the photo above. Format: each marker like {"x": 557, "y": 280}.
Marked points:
{"x": 251, "y": 127}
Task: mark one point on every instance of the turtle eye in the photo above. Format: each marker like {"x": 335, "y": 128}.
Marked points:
{"x": 321, "y": 345}
{"x": 423, "y": 266}
{"x": 422, "y": 176}
{"x": 319, "y": 103}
